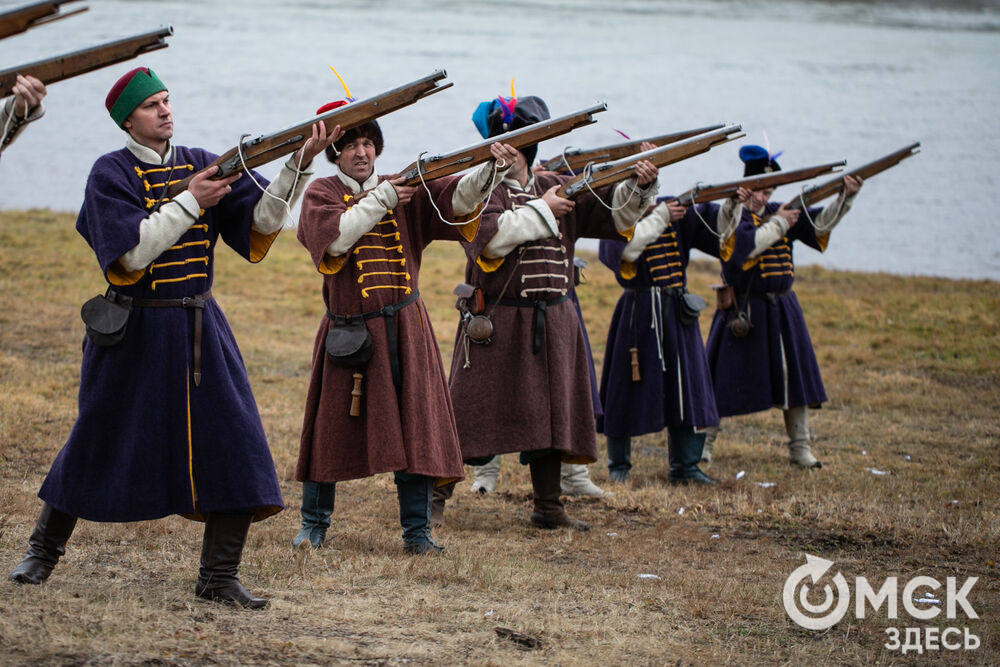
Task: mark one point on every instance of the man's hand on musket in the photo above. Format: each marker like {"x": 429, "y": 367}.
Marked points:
{"x": 504, "y": 154}
{"x": 404, "y": 193}
{"x": 676, "y": 210}
{"x": 645, "y": 172}
{"x": 28, "y": 94}
{"x": 852, "y": 184}
{"x": 742, "y": 196}
{"x": 791, "y": 216}
{"x": 316, "y": 144}
{"x": 208, "y": 192}
{"x": 559, "y": 206}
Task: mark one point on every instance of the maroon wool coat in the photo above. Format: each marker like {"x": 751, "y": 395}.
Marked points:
{"x": 410, "y": 431}
{"x": 510, "y": 399}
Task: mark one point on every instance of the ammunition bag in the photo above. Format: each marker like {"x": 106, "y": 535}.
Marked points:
{"x": 349, "y": 344}
{"x": 691, "y": 307}
{"x": 106, "y": 317}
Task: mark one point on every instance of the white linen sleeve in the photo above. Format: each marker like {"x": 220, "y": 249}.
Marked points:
{"x": 768, "y": 234}
{"x": 475, "y": 187}
{"x": 832, "y": 214}
{"x": 730, "y": 212}
{"x": 531, "y": 222}
{"x": 161, "y": 230}
{"x": 361, "y": 217}
{"x": 646, "y": 231}
{"x": 269, "y": 213}
{"x": 629, "y": 201}
{"x": 11, "y": 124}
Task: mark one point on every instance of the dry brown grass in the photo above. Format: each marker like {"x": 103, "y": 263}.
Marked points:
{"x": 912, "y": 367}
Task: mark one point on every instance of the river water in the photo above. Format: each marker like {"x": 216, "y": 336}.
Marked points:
{"x": 821, "y": 81}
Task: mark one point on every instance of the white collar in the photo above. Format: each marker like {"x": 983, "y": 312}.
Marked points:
{"x": 514, "y": 184}
{"x": 356, "y": 187}
{"x": 145, "y": 153}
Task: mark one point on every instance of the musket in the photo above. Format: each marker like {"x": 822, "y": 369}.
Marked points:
{"x": 573, "y": 159}
{"x": 595, "y": 176}
{"x": 86, "y": 60}
{"x": 436, "y": 166}
{"x": 265, "y": 148}
{"x": 22, "y": 18}
{"x": 820, "y": 192}
{"x": 703, "y": 193}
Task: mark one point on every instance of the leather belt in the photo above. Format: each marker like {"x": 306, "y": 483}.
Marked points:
{"x": 386, "y": 312}
{"x": 538, "y": 323}
{"x": 197, "y": 302}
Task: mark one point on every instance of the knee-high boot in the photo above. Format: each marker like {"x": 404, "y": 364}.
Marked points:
{"x": 797, "y": 427}
{"x": 441, "y": 495}
{"x": 221, "y": 551}
{"x": 684, "y": 451}
{"x": 415, "y": 493}
{"x": 619, "y": 458}
{"x": 545, "y": 483}
{"x": 45, "y": 546}
{"x": 486, "y": 476}
{"x": 317, "y": 508}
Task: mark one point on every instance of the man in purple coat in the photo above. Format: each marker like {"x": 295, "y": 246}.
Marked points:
{"x": 167, "y": 421}
{"x": 655, "y": 373}
{"x": 759, "y": 348}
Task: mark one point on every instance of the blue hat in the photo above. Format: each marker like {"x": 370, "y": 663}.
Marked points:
{"x": 758, "y": 160}
{"x": 505, "y": 114}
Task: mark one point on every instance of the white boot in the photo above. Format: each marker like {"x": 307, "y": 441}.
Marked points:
{"x": 575, "y": 481}
{"x": 485, "y": 476}
{"x": 711, "y": 433}
{"x": 797, "y": 427}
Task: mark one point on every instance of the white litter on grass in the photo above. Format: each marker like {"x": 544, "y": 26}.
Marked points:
{"x": 954, "y": 502}
{"x": 765, "y": 485}
{"x": 680, "y": 511}
{"x": 714, "y": 537}
{"x": 864, "y": 452}
{"x": 906, "y": 457}
{"x": 878, "y": 472}
{"x": 611, "y": 534}
{"x": 927, "y": 600}
{"x": 649, "y": 576}
{"x": 488, "y": 614}
{"x": 740, "y": 474}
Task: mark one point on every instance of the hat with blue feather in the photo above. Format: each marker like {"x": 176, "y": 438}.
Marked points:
{"x": 758, "y": 160}
{"x": 506, "y": 114}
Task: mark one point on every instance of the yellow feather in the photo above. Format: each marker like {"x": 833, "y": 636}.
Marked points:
{"x": 344, "y": 85}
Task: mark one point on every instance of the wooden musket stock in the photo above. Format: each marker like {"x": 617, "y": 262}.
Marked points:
{"x": 436, "y": 166}
{"x": 704, "y": 193}
{"x": 574, "y": 158}
{"x": 820, "y": 192}
{"x": 606, "y": 173}
{"x": 22, "y": 18}
{"x": 265, "y": 148}
{"x": 86, "y": 60}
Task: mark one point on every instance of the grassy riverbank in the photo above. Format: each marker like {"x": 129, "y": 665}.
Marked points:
{"x": 912, "y": 367}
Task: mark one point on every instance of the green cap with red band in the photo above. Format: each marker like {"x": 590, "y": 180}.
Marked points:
{"x": 130, "y": 91}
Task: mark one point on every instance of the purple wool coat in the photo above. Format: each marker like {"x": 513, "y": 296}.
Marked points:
{"x": 775, "y": 365}
{"x": 147, "y": 441}
{"x": 411, "y": 429}
{"x": 509, "y": 398}
{"x": 675, "y": 386}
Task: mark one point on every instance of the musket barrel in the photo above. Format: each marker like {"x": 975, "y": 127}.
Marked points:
{"x": 86, "y": 60}
{"x": 28, "y": 16}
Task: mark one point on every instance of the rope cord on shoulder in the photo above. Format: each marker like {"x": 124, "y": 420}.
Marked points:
{"x": 496, "y": 168}
{"x": 295, "y": 181}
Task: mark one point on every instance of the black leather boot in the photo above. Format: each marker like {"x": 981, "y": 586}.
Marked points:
{"x": 619, "y": 458}
{"x": 221, "y": 551}
{"x": 45, "y": 546}
{"x": 415, "y": 493}
{"x": 546, "y": 485}
{"x": 684, "y": 450}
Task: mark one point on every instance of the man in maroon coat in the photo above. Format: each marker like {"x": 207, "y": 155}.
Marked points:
{"x": 366, "y": 234}
{"x": 527, "y": 390}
